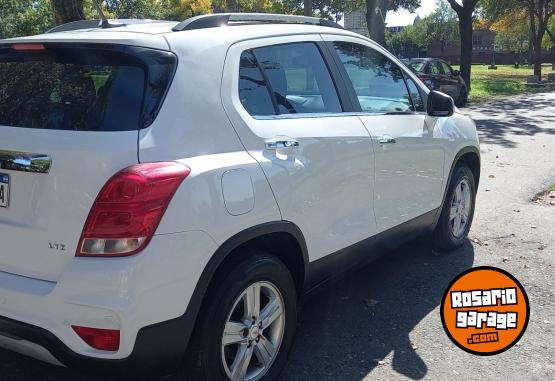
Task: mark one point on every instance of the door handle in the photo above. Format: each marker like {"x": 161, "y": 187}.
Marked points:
{"x": 279, "y": 144}
{"x": 386, "y": 140}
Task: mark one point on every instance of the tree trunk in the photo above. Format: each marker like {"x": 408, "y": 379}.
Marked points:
{"x": 465, "y": 29}
{"x": 375, "y": 21}
{"x": 68, "y": 10}
{"x": 307, "y": 7}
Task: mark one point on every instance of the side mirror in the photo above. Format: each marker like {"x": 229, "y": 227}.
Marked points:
{"x": 456, "y": 73}
{"x": 440, "y": 104}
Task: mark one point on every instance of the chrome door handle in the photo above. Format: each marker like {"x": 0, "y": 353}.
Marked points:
{"x": 279, "y": 144}
{"x": 386, "y": 140}
{"x": 25, "y": 162}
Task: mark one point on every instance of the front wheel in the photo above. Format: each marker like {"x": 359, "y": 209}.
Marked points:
{"x": 463, "y": 97}
{"x": 246, "y": 328}
{"x": 457, "y": 211}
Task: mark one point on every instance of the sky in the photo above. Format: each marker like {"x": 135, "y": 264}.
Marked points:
{"x": 403, "y": 17}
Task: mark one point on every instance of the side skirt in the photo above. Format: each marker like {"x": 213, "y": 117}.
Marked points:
{"x": 323, "y": 270}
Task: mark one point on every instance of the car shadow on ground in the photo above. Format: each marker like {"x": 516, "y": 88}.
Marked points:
{"x": 505, "y": 118}
{"x": 346, "y": 327}
{"x": 355, "y": 322}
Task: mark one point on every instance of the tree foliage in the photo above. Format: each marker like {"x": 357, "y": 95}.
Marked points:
{"x": 512, "y": 16}
{"x": 25, "y": 17}
{"x": 438, "y": 27}
{"x": 376, "y": 12}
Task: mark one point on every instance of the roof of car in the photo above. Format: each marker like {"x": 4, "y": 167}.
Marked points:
{"x": 150, "y": 33}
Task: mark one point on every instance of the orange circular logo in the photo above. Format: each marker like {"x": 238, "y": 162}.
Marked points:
{"x": 485, "y": 310}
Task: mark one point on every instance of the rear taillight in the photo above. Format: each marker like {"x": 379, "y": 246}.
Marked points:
{"x": 129, "y": 208}
{"x": 28, "y": 47}
{"x": 98, "y": 338}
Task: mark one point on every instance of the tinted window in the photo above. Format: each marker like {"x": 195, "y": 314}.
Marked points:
{"x": 446, "y": 68}
{"x": 253, "y": 91}
{"x": 378, "y": 81}
{"x": 415, "y": 95}
{"x": 81, "y": 89}
{"x": 299, "y": 79}
{"x": 435, "y": 68}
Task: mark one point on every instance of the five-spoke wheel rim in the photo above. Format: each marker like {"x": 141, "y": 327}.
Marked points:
{"x": 253, "y": 332}
{"x": 460, "y": 208}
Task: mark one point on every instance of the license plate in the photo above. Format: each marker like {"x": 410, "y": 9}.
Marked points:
{"x": 4, "y": 190}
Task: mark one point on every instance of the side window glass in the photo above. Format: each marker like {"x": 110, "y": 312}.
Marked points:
{"x": 299, "y": 78}
{"x": 435, "y": 68}
{"x": 378, "y": 81}
{"x": 253, "y": 90}
{"x": 417, "y": 100}
{"x": 446, "y": 68}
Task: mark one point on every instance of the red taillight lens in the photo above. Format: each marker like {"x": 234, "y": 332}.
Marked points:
{"x": 129, "y": 208}
{"x": 28, "y": 47}
{"x": 98, "y": 338}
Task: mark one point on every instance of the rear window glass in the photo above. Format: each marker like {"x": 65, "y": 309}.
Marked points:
{"x": 83, "y": 89}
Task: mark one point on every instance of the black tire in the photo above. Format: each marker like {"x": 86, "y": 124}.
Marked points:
{"x": 204, "y": 358}
{"x": 443, "y": 237}
{"x": 463, "y": 97}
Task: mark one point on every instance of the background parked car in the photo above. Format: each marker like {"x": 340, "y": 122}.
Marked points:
{"x": 439, "y": 75}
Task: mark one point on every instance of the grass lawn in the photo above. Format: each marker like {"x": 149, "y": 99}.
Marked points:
{"x": 504, "y": 81}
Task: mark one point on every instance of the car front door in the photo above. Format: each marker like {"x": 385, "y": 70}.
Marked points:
{"x": 409, "y": 160}
{"x": 451, "y": 81}
{"x": 288, "y": 111}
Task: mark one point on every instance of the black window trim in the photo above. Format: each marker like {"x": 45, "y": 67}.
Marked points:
{"x": 334, "y": 71}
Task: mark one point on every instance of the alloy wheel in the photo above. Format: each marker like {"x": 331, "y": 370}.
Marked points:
{"x": 253, "y": 332}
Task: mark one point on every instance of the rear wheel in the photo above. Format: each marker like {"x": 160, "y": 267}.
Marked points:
{"x": 457, "y": 212}
{"x": 246, "y": 328}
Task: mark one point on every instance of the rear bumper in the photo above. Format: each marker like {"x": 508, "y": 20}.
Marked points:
{"x": 146, "y": 297}
{"x": 158, "y": 350}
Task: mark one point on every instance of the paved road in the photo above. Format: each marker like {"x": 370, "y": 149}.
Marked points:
{"x": 382, "y": 322}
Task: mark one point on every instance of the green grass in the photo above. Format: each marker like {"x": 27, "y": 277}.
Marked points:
{"x": 552, "y": 188}
{"x": 504, "y": 81}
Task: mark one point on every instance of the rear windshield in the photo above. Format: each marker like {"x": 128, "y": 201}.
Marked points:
{"x": 83, "y": 88}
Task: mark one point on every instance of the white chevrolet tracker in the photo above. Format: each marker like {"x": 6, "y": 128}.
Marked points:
{"x": 169, "y": 191}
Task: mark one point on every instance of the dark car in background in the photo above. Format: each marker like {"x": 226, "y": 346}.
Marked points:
{"x": 439, "y": 75}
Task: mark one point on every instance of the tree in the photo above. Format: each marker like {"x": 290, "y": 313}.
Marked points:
{"x": 68, "y": 10}
{"x": 376, "y": 11}
{"x": 540, "y": 22}
{"x": 25, "y": 17}
{"x": 540, "y": 12}
{"x": 465, "y": 10}
{"x": 439, "y": 27}
{"x": 512, "y": 29}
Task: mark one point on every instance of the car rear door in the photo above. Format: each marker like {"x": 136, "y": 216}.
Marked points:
{"x": 69, "y": 120}
{"x": 408, "y": 158}
{"x": 288, "y": 110}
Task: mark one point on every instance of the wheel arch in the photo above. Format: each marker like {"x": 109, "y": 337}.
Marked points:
{"x": 270, "y": 237}
{"x": 469, "y": 155}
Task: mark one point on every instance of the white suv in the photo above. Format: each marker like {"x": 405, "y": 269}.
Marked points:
{"x": 169, "y": 190}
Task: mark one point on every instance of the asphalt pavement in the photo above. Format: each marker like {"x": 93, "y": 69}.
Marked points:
{"x": 382, "y": 322}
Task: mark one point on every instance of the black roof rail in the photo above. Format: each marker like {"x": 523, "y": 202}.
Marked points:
{"x": 221, "y": 19}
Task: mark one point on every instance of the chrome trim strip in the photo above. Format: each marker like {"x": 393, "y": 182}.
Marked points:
{"x": 25, "y": 162}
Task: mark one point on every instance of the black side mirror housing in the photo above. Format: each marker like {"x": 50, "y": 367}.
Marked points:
{"x": 456, "y": 73}
{"x": 440, "y": 104}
